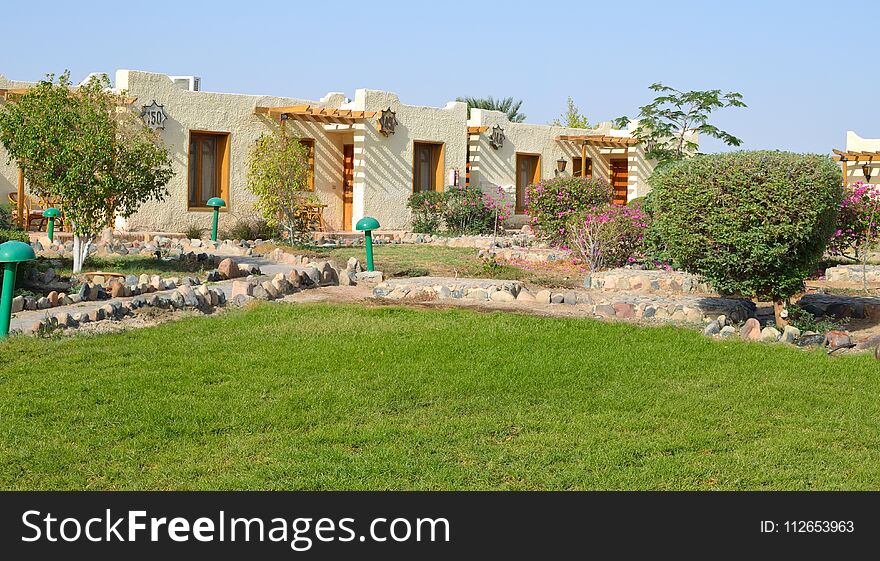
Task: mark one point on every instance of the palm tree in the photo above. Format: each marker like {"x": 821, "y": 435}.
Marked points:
{"x": 506, "y": 105}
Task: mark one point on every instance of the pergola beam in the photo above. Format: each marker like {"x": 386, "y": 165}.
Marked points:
{"x": 307, "y": 113}
{"x": 598, "y": 139}
{"x": 855, "y": 156}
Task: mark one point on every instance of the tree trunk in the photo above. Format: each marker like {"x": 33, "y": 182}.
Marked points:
{"x": 778, "y": 309}
{"x": 81, "y": 246}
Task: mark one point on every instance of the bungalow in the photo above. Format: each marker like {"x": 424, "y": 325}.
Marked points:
{"x": 367, "y": 154}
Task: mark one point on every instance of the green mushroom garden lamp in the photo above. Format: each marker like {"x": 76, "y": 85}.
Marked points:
{"x": 215, "y": 202}
{"x": 51, "y": 214}
{"x": 367, "y": 224}
{"x": 11, "y": 254}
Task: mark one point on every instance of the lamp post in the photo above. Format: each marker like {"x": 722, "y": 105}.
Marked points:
{"x": 51, "y": 214}
{"x": 11, "y": 254}
{"x": 866, "y": 170}
{"x": 215, "y": 202}
{"x": 367, "y": 224}
{"x": 560, "y": 166}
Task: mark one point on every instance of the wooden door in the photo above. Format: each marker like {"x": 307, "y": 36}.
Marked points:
{"x": 528, "y": 172}
{"x": 619, "y": 180}
{"x": 347, "y": 184}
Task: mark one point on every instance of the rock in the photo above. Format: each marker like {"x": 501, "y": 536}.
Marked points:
{"x": 270, "y": 290}
{"x": 353, "y": 265}
{"x": 727, "y": 331}
{"x": 477, "y": 294}
{"x": 543, "y": 297}
{"x": 281, "y": 285}
{"x": 117, "y": 289}
{"x": 131, "y": 280}
{"x": 501, "y": 296}
{"x": 722, "y": 320}
{"x": 17, "y": 304}
{"x": 189, "y": 296}
{"x": 49, "y": 275}
{"x": 213, "y": 276}
{"x": 98, "y": 279}
{"x": 242, "y": 299}
{"x": 53, "y": 299}
{"x": 259, "y": 292}
{"x": 82, "y": 318}
{"x": 790, "y": 334}
{"x": 570, "y": 298}
{"x": 311, "y": 276}
{"x": 869, "y": 343}
{"x": 606, "y": 311}
{"x": 557, "y": 299}
{"x": 810, "y": 338}
{"x": 144, "y": 279}
{"x": 443, "y": 292}
{"x": 294, "y": 279}
{"x": 228, "y": 269}
{"x": 64, "y": 319}
{"x": 241, "y": 287}
{"x": 623, "y": 310}
{"x": 369, "y": 277}
{"x": 43, "y": 303}
{"x": 525, "y": 296}
{"x": 345, "y": 278}
{"x": 83, "y": 292}
{"x": 713, "y": 328}
{"x": 751, "y": 329}
{"x": 770, "y": 334}
{"x": 838, "y": 339}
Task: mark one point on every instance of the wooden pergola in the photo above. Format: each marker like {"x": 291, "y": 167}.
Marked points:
{"x": 311, "y": 114}
{"x": 855, "y": 156}
{"x": 601, "y": 140}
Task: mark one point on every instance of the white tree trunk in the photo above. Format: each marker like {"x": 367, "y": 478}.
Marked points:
{"x": 81, "y": 246}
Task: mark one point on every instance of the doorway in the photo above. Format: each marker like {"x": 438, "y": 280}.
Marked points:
{"x": 347, "y": 184}
{"x": 619, "y": 180}
{"x": 528, "y": 172}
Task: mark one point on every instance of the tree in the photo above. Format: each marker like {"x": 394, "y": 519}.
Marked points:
{"x": 752, "y": 223}
{"x": 82, "y": 148}
{"x": 506, "y": 105}
{"x": 278, "y": 175}
{"x": 572, "y": 118}
{"x": 665, "y": 124}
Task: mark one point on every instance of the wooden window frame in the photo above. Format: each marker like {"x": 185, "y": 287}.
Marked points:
{"x": 310, "y": 144}
{"x": 519, "y": 204}
{"x": 589, "y": 171}
{"x": 438, "y": 161}
{"x": 223, "y": 150}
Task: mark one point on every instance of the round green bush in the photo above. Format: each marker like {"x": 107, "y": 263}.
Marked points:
{"x": 551, "y": 203}
{"x": 752, "y": 223}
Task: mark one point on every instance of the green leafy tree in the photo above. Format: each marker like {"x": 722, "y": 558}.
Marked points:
{"x": 506, "y": 105}
{"x": 666, "y": 125}
{"x": 84, "y": 148}
{"x": 752, "y": 223}
{"x": 278, "y": 175}
{"x": 572, "y": 117}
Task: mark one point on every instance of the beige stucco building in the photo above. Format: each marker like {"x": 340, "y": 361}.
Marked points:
{"x": 861, "y": 155}
{"x": 368, "y": 153}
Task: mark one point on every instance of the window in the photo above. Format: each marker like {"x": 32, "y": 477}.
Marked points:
{"x": 528, "y": 172}
{"x": 208, "y": 167}
{"x": 427, "y": 166}
{"x": 310, "y": 146}
{"x": 576, "y": 167}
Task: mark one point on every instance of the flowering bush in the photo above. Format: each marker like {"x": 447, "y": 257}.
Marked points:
{"x": 551, "y": 203}
{"x": 464, "y": 210}
{"x": 856, "y": 221}
{"x": 607, "y": 235}
{"x": 426, "y": 207}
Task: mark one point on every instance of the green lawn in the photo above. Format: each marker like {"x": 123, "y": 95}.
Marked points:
{"x": 353, "y": 397}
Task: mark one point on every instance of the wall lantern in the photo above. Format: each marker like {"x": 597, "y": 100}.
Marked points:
{"x": 387, "y": 121}
{"x": 560, "y": 165}
{"x": 496, "y": 137}
{"x": 866, "y": 169}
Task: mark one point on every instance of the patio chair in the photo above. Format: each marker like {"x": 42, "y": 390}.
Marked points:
{"x": 33, "y": 212}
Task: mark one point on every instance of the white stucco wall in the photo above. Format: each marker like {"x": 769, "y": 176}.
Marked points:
{"x": 388, "y": 160}
{"x": 855, "y": 143}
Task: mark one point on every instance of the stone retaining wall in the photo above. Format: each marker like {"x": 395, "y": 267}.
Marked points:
{"x": 685, "y": 308}
{"x": 635, "y": 280}
{"x": 853, "y": 273}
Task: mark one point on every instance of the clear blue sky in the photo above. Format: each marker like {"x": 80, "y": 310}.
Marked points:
{"x": 793, "y": 61}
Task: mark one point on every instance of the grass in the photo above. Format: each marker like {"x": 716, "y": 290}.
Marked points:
{"x": 128, "y": 265}
{"x": 397, "y": 260}
{"x": 356, "y": 397}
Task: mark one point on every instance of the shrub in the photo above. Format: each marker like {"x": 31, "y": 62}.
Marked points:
{"x": 6, "y": 222}
{"x": 249, "y": 229}
{"x": 427, "y": 209}
{"x": 856, "y": 221}
{"x": 465, "y": 211}
{"x": 608, "y": 235}
{"x": 194, "y": 232}
{"x": 753, "y": 223}
{"x": 7, "y": 234}
{"x": 550, "y": 203}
